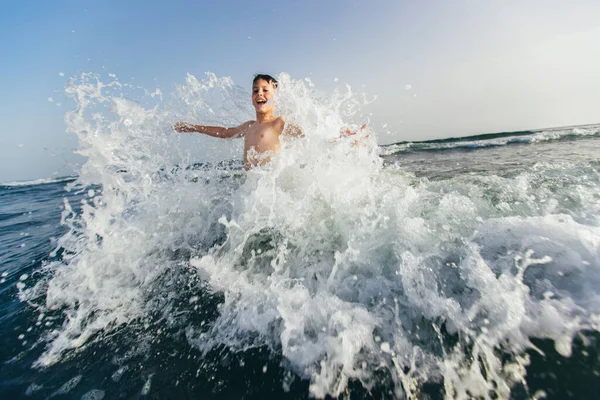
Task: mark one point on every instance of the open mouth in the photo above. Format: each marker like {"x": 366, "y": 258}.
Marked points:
{"x": 261, "y": 101}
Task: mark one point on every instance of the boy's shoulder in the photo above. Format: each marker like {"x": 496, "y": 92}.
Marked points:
{"x": 247, "y": 124}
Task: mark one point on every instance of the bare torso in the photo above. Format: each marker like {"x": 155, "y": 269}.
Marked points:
{"x": 262, "y": 140}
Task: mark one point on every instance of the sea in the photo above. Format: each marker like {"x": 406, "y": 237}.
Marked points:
{"x": 457, "y": 268}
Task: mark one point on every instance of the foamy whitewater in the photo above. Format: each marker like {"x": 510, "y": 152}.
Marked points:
{"x": 336, "y": 260}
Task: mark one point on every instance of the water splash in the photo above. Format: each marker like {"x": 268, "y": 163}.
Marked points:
{"x": 342, "y": 266}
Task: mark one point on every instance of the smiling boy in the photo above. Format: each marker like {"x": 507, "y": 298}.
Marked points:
{"x": 262, "y": 136}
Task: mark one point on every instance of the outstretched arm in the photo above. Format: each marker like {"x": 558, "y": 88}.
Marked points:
{"x": 292, "y": 130}
{"x": 349, "y": 132}
{"x": 215, "y": 131}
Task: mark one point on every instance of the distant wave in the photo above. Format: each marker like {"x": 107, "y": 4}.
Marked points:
{"x": 43, "y": 181}
{"x": 493, "y": 140}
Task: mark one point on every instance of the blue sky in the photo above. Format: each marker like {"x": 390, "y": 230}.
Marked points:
{"x": 472, "y": 66}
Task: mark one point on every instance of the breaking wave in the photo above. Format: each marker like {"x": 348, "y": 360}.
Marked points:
{"x": 348, "y": 270}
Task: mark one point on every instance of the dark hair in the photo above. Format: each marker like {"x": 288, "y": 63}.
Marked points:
{"x": 265, "y": 77}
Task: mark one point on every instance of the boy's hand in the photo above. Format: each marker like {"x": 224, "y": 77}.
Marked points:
{"x": 184, "y": 127}
{"x": 348, "y": 132}
{"x": 358, "y": 141}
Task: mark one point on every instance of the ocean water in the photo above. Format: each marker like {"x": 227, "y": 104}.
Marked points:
{"x": 457, "y": 268}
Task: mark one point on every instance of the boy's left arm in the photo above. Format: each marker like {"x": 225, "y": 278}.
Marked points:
{"x": 349, "y": 132}
{"x": 292, "y": 130}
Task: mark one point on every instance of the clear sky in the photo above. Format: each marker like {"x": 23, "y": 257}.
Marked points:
{"x": 439, "y": 68}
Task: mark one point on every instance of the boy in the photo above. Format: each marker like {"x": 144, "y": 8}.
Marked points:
{"x": 261, "y": 137}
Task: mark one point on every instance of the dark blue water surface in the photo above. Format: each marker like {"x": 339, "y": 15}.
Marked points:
{"x": 113, "y": 364}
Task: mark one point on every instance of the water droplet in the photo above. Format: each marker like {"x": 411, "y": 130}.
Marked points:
{"x": 385, "y": 347}
{"x": 94, "y": 394}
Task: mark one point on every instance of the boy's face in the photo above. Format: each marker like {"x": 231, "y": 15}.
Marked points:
{"x": 262, "y": 96}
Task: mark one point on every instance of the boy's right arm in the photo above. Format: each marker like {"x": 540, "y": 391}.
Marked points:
{"x": 215, "y": 131}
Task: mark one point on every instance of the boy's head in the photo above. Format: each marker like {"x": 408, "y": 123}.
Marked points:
{"x": 263, "y": 90}
{"x": 266, "y": 78}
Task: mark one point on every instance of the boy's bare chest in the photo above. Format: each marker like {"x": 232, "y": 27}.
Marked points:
{"x": 263, "y": 135}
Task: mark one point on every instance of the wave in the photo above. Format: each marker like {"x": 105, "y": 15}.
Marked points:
{"x": 42, "y": 181}
{"x": 344, "y": 268}
{"x": 493, "y": 140}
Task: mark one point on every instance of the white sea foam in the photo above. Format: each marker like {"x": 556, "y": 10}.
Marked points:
{"x": 532, "y": 137}
{"x": 343, "y": 266}
{"x": 94, "y": 394}
{"x": 68, "y": 386}
{"x": 42, "y": 181}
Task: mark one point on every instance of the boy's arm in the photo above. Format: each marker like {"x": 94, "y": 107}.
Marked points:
{"x": 214, "y": 131}
{"x": 349, "y": 132}
{"x": 293, "y": 130}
